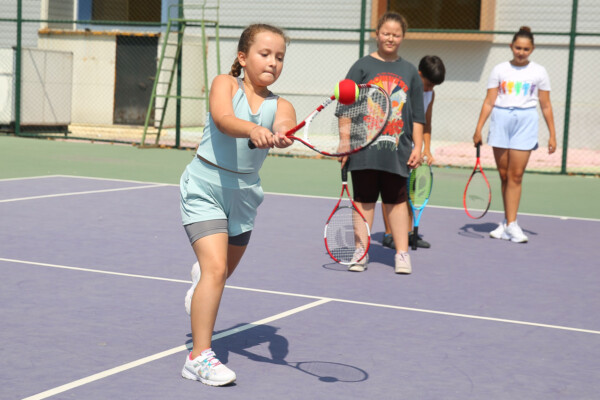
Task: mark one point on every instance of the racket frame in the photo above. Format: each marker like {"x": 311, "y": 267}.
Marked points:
{"x": 354, "y": 208}
{"x": 477, "y": 170}
{"x": 327, "y": 102}
{"x": 418, "y": 211}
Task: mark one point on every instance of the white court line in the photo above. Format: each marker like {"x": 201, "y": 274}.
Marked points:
{"x": 29, "y": 177}
{"x": 363, "y": 303}
{"x": 98, "y": 178}
{"x": 319, "y": 301}
{"x": 307, "y": 196}
{"x": 47, "y": 196}
{"x": 85, "y": 177}
{"x": 422, "y": 310}
{"x": 166, "y": 353}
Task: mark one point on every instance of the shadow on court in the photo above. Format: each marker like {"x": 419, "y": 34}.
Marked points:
{"x": 247, "y": 342}
{"x": 482, "y": 230}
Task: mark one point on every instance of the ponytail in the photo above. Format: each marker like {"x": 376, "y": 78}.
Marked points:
{"x": 236, "y": 69}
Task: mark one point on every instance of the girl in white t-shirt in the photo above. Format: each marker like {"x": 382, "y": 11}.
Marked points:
{"x": 514, "y": 89}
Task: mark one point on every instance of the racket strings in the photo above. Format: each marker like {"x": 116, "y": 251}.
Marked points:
{"x": 361, "y": 122}
{"x": 420, "y": 184}
{"x": 343, "y": 129}
{"x": 347, "y": 235}
{"x": 477, "y": 195}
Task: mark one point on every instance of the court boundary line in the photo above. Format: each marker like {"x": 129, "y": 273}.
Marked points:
{"x": 338, "y": 300}
{"x": 27, "y": 177}
{"x": 159, "y": 184}
{"x": 318, "y": 300}
{"x": 145, "y": 360}
{"x": 48, "y": 196}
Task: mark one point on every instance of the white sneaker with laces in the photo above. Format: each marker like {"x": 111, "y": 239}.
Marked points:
{"x": 195, "y": 273}
{"x": 358, "y": 266}
{"x": 497, "y": 233}
{"x": 207, "y": 369}
{"x": 514, "y": 233}
{"x": 402, "y": 261}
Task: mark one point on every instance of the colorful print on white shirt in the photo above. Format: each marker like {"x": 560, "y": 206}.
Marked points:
{"x": 518, "y": 86}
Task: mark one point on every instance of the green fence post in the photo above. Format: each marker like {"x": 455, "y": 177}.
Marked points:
{"x": 573, "y": 36}
{"x": 363, "y": 12}
{"x": 179, "y": 62}
{"x": 18, "y": 69}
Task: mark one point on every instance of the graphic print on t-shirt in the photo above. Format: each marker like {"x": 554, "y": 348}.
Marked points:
{"x": 396, "y": 89}
{"x": 517, "y": 88}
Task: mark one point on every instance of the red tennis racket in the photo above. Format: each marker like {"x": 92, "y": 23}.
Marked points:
{"x": 334, "y": 129}
{"x": 347, "y": 235}
{"x": 478, "y": 193}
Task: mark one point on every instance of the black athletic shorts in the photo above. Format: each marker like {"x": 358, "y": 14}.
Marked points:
{"x": 368, "y": 184}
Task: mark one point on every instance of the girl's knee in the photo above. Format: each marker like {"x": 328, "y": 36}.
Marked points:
{"x": 217, "y": 274}
{"x": 515, "y": 176}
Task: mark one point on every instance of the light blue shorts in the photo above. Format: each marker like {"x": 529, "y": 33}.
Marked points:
{"x": 209, "y": 193}
{"x": 514, "y": 128}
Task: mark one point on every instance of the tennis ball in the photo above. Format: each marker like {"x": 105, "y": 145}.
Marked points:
{"x": 346, "y": 92}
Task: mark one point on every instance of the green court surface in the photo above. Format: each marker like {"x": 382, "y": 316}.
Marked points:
{"x": 559, "y": 195}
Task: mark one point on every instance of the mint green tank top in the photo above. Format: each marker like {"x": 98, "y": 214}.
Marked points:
{"x": 231, "y": 153}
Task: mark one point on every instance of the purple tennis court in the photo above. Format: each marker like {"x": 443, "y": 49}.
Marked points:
{"x": 93, "y": 275}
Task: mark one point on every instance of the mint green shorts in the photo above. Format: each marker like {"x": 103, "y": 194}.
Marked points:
{"x": 210, "y": 193}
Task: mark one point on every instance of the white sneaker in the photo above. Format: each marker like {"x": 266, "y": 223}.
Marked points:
{"x": 359, "y": 266}
{"x": 195, "y": 273}
{"x": 402, "y": 261}
{"x": 497, "y": 233}
{"x": 207, "y": 369}
{"x": 514, "y": 233}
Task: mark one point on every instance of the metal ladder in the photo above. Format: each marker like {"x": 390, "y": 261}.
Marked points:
{"x": 167, "y": 66}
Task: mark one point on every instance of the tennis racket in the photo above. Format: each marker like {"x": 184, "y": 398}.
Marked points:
{"x": 420, "y": 183}
{"x": 347, "y": 235}
{"x": 335, "y": 130}
{"x": 478, "y": 194}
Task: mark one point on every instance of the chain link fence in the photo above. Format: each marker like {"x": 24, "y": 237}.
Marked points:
{"x": 138, "y": 71}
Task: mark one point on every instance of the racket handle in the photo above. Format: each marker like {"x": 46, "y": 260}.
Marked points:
{"x": 415, "y": 237}
{"x": 478, "y": 149}
{"x": 345, "y": 172}
{"x": 251, "y": 144}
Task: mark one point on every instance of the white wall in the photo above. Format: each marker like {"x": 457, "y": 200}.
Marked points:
{"x": 93, "y": 74}
{"x": 8, "y": 30}
{"x": 46, "y": 87}
{"x": 6, "y": 86}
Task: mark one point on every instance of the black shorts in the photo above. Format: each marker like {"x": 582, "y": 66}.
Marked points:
{"x": 368, "y": 184}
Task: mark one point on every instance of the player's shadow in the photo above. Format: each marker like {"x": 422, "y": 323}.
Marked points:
{"x": 277, "y": 349}
{"x": 482, "y": 230}
{"x": 477, "y": 230}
